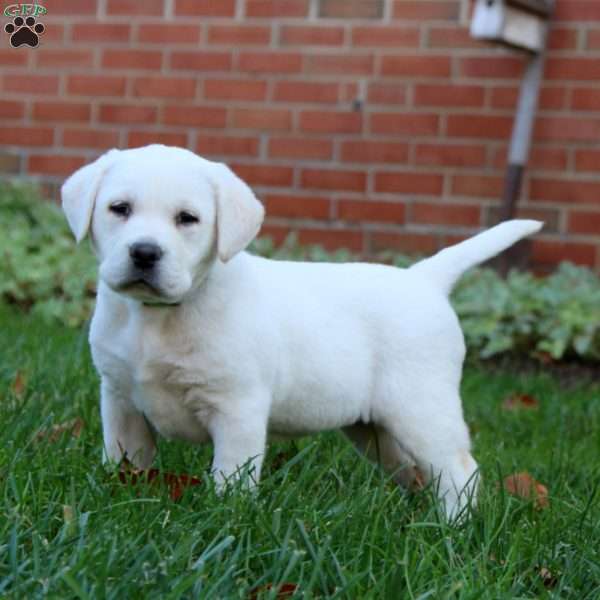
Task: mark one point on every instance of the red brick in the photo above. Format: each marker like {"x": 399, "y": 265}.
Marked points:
{"x": 297, "y": 207}
{"x": 332, "y": 239}
{"x": 311, "y": 149}
{"x": 567, "y": 129}
{"x": 53, "y": 164}
{"x": 386, "y": 37}
{"x": 566, "y": 191}
{"x": 96, "y": 85}
{"x": 562, "y": 39}
{"x": 585, "y": 99}
{"x": 409, "y": 182}
{"x": 90, "y": 138}
{"x": 262, "y": 118}
{"x": 451, "y": 37}
{"x": 201, "y": 61}
{"x": 270, "y": 62}
{"x": 587, "y": 160}
{"x": 268, "y": 175}
{"x": 54, "y": 33}
{"x": 593, "y": 40}
{"x": 11, "y": 109}
{"x": 100, "y": 32}
{"x": 61, "y": 111}
{"x": 10, "y": 58}
{"x": 584, "y": 222}
{"x": 386, "y": 93}
{"x": 72, "y": 7}
{"x": 164, "y": 87}
{"x": 351, "y": 9}
{"x": 143, "y": 138}
{"x": 235, "y": 89}
{"x": 548, "y": 158}
{"x": 63, "y": 58}
{"x": 492, "y": 67}
{"x": 205, "y": 8}
{"x": 445, "y": 214}
{"x": 234, "y": 35}
{"x": 195, "y": 116}
{"x": 340, "y": 64}
{"x": 277, "y": 233}
{"x": 363, "y": 151}
{"x": 478, "y": 126}
{"x": 127, "y": 113}
{"x": 276, "y": 8}
{"x": 475, "y": 186}
{"x": 449, "y": 95}
{"x": 426, "y": 10}
{"x": 407, "y": 242}
{"x": 552, "y": 98}
{"x": 451, "y": 155}
{"x": 415, "y": 66}
{"x": 332, "y": 179}
{"x": 227, "y": 145}
{"x": 26, "y": 136}
{"x": 551, "y": 252}
{"x": 306, "y": 91}
{"x": 371, "y": 211}
{"x": 573, "y": 69}
{"x": 311, "y": 36}
{"x": 135, "y": 7}
{"x": 404, "y": 124}
{"x": 30, "y": 84}
{"x": 132, "y": 59}
{"x": 162, "y": 33}
{"x": 577, "y": 10}
{"x": 330, "y": 121}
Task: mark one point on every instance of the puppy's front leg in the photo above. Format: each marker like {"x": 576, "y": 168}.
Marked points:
{"x": 126, "y": 432}
{"x": 239, "y": 443}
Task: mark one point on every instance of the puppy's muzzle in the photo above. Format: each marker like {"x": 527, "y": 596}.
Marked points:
{"x": 145, "y": 255}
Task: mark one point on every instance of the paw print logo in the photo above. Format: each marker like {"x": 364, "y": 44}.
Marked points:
{"x": 24, "y": 31}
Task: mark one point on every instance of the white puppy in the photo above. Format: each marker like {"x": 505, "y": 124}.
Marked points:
{"x": 207, "y": 342}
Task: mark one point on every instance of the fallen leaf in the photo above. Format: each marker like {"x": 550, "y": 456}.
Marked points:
{"x": 19, "y": 384}
{"x": 525, "y": 486}
{"x": 284, "y": 590}
{"x": 68, "y": 514}
{"x": 520, "y": 401}
{"x": 548, "y": 579}
{"x": 72, "y": 427}
{"x": 176, "y": 484}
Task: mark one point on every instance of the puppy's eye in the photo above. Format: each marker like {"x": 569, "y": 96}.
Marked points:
{"x": 121, "y": 209}
{"x": 186, "y": 218}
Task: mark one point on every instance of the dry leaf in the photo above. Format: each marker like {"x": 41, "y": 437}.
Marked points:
{"x": 525, "y": 486}
{"x": 68, "y": 514}
{"x": 285, "y": 590}
{"x": 520, "y": 401}
{"x": 549, "y": 580}
{"x": 19, "y": 384}
{"x": 72, "y": 427}
{"x": 176, "y": 484}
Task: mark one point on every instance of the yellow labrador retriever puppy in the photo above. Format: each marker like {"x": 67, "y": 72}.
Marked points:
{"x": 206, "y": 342}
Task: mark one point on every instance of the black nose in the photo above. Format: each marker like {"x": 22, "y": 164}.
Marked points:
{"x": 145, "y": 254}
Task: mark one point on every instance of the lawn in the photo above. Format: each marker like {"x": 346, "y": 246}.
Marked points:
{"x": 323, "y": 520}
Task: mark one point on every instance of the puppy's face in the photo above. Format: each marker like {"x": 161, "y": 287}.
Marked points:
{"x": 159, "y": 219}
{"x": 154, "y": 229}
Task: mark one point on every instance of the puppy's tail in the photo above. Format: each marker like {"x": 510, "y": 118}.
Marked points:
{"x": 446, "y": 267}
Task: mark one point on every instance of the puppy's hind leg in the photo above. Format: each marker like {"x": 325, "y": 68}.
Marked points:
{"x": 380, "y": 448}
{"x": 433, "y": 431}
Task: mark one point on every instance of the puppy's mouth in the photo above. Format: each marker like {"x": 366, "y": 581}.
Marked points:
{"x": 143, "y": 288}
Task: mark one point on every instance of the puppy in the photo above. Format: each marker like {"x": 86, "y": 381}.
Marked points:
{"x": 206, "y": 342}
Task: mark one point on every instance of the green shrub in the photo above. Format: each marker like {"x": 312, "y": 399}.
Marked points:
{"x": 42, "y": 270}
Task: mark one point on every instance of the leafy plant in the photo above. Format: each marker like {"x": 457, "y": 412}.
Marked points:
{"x": 41, "y": 270}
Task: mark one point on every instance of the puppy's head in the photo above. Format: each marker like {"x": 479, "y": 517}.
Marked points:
{"x": 159, "y": 217}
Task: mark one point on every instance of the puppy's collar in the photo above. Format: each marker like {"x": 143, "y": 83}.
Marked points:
{"x": 160, "y": 304}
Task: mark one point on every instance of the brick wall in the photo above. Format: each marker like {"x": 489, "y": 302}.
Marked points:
{"x": 370, "y": 124}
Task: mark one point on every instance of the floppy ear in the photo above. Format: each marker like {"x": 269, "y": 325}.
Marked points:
{"x": 79, "y": 193}
{"x": 239, "y": 213}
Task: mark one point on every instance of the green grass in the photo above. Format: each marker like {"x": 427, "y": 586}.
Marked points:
{"x": 323, "y": 519}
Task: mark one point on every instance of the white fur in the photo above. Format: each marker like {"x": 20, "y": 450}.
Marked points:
{"x": 234, "y": 348}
